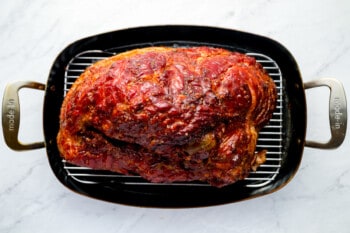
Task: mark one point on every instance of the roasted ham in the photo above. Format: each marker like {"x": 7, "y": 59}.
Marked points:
{"x": 169, "y": 114}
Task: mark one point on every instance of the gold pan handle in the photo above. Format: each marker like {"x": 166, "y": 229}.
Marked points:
{"x": 11, "y": 115}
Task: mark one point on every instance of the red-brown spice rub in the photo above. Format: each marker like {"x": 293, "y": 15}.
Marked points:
{"x": 169, "y": 114}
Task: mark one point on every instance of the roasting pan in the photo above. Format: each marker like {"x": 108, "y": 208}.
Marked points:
{"x": 283, "y": 137}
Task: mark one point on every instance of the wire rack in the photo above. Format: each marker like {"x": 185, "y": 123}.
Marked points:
{"x": 270, "y": 137}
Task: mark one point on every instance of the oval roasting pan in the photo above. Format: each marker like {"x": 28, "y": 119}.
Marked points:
{"x": 284, "y": 136}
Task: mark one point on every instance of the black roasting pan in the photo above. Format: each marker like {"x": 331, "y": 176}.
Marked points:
{"x": 284, "y": 137}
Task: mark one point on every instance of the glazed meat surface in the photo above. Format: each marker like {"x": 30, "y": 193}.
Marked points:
{"x": 169, "y": 114}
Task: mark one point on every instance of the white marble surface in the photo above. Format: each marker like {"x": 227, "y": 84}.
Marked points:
{"x": 33, "y": 32}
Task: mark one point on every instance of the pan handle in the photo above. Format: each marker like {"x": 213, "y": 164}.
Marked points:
{"x": 11, "y": 115}
{"x": 337, "y": 112}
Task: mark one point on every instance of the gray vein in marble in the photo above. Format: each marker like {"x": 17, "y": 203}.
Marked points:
{"x": 340, "y": 184}
{"x": 34, "y": 51}
{"x": 15, "y": 184}
{"x": 332, "y": 60}
{"x": 128, "y": 226}
{"x": 31, "y": 209}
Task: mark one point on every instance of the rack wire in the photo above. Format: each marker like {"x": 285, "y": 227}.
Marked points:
{"x": 270, "y": 137}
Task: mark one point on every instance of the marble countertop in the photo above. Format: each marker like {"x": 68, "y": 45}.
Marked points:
{"x": 317, "y": 33}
